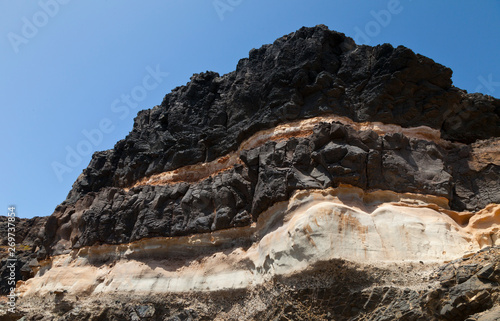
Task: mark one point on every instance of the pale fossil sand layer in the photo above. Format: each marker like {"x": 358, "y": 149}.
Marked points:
{"x": 314, "y": 225}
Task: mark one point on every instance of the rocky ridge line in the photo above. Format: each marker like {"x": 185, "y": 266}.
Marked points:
{"x": 307, "y": 74}
{"x": 312, "y": 72}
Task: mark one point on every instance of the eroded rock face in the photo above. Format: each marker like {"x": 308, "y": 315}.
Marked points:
{"x": 314, "y": 155}
{"x": 27, "y": 243}
{"x": 310, "y": 73}
{"x": 233, "y": 190}
{"x": 328, "y": 290}
{"x": 313, "y": 226}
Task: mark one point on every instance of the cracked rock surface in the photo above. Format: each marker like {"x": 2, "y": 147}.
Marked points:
{"x": 309, "y": 114}
{"x": 310, "y": 73}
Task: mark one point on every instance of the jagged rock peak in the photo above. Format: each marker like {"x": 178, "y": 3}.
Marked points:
{"x": 317, "y": 168}
{"x": 311, "y": 72}
{"x": 311, "y": 111}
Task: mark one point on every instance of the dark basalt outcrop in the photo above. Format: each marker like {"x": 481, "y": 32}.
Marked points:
{"x": 312, "y": 72}
{"x": 27, "y": 241}
{"x": 311, "y": 111}
{"x": 334, "y": 154}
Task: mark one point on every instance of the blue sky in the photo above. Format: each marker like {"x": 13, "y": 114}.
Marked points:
{"x": 73, "y": 74}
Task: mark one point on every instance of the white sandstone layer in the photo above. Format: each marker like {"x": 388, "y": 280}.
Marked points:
{"x": 346, "y": 223}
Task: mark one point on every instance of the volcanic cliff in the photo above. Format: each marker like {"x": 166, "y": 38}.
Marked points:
{"x": 320, "y": 180}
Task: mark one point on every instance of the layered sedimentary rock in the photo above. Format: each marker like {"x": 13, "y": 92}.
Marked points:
{"x": 314, "y": 155}
{"x": 313, "y": 226}
{"x": 311, "y": 73}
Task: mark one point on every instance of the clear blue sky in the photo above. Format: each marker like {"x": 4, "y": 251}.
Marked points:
{"x": 67, "y": 66}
